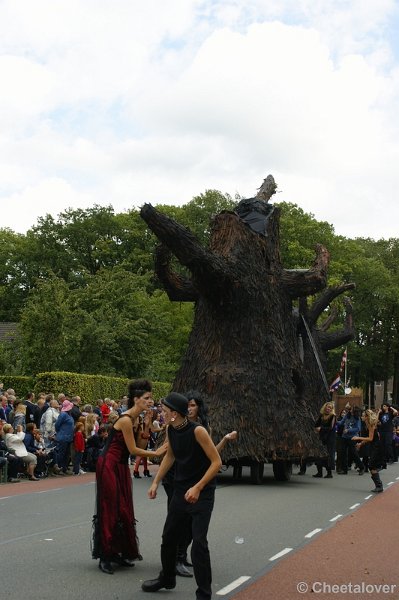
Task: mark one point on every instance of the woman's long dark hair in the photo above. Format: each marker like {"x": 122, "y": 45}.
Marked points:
{"x": 202, "y": 407}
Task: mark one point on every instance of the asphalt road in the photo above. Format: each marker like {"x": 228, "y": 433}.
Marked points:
{"x": 45, "y": 533}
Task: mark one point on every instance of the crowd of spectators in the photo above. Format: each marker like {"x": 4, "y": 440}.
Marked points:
{"x": 53, "y": 436}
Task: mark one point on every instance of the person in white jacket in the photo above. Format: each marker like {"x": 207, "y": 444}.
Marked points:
{"x": 15, "y": 443}
{"x": 47, "y": 423}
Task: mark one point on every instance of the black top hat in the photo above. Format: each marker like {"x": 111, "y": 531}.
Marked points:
{"x": 177, "y": 402}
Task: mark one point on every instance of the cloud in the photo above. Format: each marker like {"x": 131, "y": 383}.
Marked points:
{"x": 135, "y": 102}
{"x": 35, "y": 201}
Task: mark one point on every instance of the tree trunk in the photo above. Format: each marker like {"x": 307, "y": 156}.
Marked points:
{"x": 245, "y": 351}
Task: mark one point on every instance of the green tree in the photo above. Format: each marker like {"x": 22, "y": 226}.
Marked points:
{"x": 14, "y": 285}
{"x": 111, "y": 326}
{"x": 44, "y": 327}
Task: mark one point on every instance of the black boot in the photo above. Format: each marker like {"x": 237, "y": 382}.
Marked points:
{"x": 136, "y": 475}
{"x": 329, "y": 475}
{"x": 378, "y": 483}
{"x": 147, "y": 473}
{"x": 105, "y": 567}
{"x": 121, "y": 561}
{"x": 153, "y": 585}
{"x": 319, "y": 472}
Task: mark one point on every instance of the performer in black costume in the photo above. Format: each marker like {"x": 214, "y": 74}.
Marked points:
{"x": 197, "y": 463}
{"x": 198, "y": 413}
{"x": 376, "y": 450}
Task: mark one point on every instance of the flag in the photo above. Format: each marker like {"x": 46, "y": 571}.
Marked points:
{"x": 343, "y": 361}
{"x": 335, "y": 384}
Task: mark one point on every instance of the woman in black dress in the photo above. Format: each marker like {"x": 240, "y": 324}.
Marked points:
{"x": 325, "y": 427}
{"x": 376, "y": 450}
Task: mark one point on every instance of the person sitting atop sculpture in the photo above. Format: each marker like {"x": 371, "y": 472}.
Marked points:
{"x": 256, "y": 211}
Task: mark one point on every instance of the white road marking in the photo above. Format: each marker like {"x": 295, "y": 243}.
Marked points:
{"x": 354, "y": 506}
{"x": 280, "y": 554}
{"x": 335, "y": 518}
{"x": 312, "y": 533}
{"x": 233, "y": 585}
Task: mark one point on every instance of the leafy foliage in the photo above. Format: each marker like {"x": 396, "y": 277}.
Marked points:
{"x": 82, "y": 289}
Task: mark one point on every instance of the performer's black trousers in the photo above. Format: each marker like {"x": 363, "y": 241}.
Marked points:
{"x": 179, "y": 514}
{"x": 386, "y": 443}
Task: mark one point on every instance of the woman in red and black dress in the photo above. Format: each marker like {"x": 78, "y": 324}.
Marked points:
{"x": 114, "y": 538}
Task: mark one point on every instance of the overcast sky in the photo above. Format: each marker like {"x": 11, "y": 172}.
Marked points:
{"x": 123, "y": 102}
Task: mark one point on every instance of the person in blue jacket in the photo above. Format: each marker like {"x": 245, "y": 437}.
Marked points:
{"x": 64, "y": 426}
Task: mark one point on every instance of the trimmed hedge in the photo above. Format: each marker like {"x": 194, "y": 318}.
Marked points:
{"x": 89, "y": 387}
{"x": 20, "y": 383}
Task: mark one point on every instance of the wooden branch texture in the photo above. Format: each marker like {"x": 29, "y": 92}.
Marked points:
{"x": 243, "y": 353}
{"x": 178, "y": 288}
{"x": 307, "y": 282}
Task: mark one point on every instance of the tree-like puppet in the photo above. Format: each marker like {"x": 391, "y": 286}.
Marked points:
{"x": 256, "y": 357}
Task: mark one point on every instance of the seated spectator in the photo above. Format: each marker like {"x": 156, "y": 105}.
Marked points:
{"x": 15, "y": 442}
{"x": 29, "y": 439}
{"x": 38, "y": 440}
{"x": 3, "y": 462}
{"x": 14, "y": 464}
{"x": 31, "y": 446}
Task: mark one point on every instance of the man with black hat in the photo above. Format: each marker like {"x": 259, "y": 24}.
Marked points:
{"x": 197, "y": 463}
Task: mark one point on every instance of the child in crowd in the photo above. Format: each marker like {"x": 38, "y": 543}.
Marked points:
{"x": 79, "y": 446}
